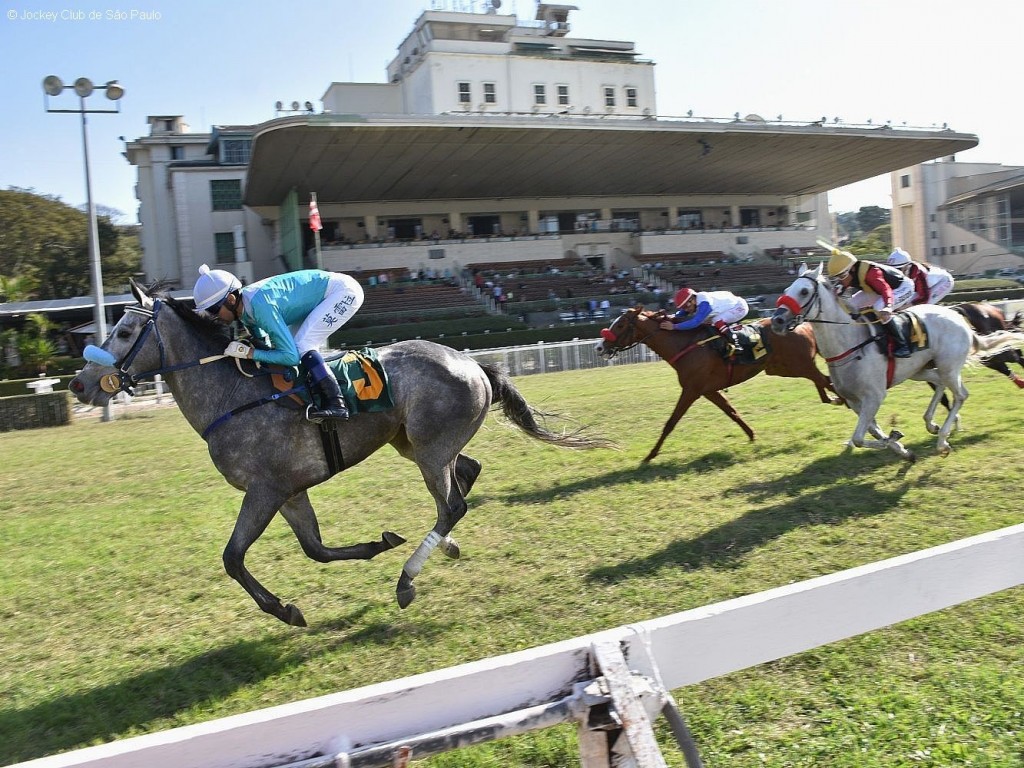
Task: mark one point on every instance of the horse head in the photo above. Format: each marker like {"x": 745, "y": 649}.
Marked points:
{"x": 802, "y": 298}
{"x": 136, "y": 349}
{"x": 622, "y": 334}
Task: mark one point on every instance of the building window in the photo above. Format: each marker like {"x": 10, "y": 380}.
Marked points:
{"x": 539, "y": 95}
{"x": 563, "y": 95}
{"x": 609, "y": 97}
{"x": 963, "y": 249}
{"x": 905, "y": 180}
{"x": 942, "y": 250}
{"x": 226, "y": 194}
{"x": 932, "y": 217}
{"x": 974, "y": 247}
{"x": 935, "y": 252}
{"x": 177, "y": 153}
{"x": 235, "y": 151}
{"x": 464, "y": 93}
{"x": 224, "y": 247}
{"x": 935, "y": 235}
{"x": 490, "y": 94}
{"x": 631, "y": 97}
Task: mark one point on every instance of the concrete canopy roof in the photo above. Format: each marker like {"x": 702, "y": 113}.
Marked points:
{"x": 348, "y": 159}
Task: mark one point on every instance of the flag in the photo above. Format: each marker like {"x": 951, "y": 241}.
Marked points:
{"x": 314, "y": 216}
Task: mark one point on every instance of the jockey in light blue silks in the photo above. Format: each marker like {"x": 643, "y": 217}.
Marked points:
{"x": 315, "y": 302}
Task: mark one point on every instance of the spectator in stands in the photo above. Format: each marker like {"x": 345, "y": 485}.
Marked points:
{"x": 878, "y": 287}
{"x": 931, "y": 283}
{"x": 318, "y": 303}
{"x": 718, "y": 309}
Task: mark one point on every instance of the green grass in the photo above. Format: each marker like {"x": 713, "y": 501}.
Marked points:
{"x": 117, "y": 617}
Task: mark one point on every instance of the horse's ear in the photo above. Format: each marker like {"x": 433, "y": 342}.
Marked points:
{"x": 140, "y": 294}
{"x": 802, "y": 268}
{"x": 819, "y": 270}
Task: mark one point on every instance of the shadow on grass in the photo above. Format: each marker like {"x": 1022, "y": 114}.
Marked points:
{"x": 644, "y": 473}
{"x": 811, "y": 497}
{"x": 131, "y": 705}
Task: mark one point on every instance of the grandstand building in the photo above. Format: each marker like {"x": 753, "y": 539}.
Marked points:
{"x": 966, "y": 217}
{"x": 499, "y": 139}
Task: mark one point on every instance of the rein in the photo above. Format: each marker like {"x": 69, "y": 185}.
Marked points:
{"x": 800, "y": 311}
{"x": 608, "y": 336}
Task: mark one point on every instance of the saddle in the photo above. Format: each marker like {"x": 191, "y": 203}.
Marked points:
{"x": 751, "y": 344}
{"x": 361, "y": 377}
{"x": 910, "y": 328}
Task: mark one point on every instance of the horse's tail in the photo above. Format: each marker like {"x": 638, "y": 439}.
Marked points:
{"x": 992, "y": 344}
{"x": 524, "y": 416}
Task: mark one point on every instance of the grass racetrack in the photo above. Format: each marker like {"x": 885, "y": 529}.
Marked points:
{"x": 118, "y": 619}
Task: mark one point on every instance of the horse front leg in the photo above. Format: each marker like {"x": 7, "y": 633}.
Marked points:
{"x": 726, "y": 407}
{"x": 686, "y": 398}
{"x": 299, "y": 513}
{"x": 866, "y": 409}
{"x": 258, "y": 508}
{"x": 451, "y": 507}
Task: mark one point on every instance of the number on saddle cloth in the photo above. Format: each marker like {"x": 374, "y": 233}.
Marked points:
{"x": 748, "y": 345}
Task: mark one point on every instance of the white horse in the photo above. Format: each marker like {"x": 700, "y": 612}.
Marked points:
{"x": 860, "y": 367}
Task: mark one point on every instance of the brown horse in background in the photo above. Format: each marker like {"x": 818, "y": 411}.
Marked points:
{"x": 987, "y": 318}
{"x": 703, "y": 372}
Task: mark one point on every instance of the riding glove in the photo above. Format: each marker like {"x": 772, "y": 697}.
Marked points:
{"x": 239, "y": 349}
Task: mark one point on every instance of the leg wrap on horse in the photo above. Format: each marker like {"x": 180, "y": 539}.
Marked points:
{"x": 332, "y": 404}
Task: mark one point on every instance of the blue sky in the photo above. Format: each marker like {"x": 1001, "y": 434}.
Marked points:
{"x": 923, "y": 62}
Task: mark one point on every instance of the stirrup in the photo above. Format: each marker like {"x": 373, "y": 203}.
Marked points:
{"x": 334, "y": 414}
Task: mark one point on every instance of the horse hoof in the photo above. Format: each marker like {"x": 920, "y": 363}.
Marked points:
{"x": 944, "y": 452}
{"x": 933, "y": 429}
{"x": 895, "y": 435}
{"x": 405, "y": 595}
{"x": 293, "y": 616}
{"x": 450, "y": 548}
{"x": 392, "y": 539}
{"x": 911, "y": 457}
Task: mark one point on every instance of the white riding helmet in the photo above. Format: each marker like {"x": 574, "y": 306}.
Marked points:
{"x": 898, "y": 258}
{"x": 212, "y": 286}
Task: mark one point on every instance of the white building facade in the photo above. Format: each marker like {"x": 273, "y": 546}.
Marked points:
{"x": 556, "y": 107}
{"x": 965, "y": 217}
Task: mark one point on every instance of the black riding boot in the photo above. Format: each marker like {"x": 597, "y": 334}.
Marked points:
{"x": 900, "y": 346}
{"x": 332, "y": 404}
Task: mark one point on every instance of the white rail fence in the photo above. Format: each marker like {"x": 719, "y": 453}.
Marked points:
{"x": 614, "y": 672}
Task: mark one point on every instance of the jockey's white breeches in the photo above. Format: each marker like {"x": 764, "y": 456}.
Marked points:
{"x": 343, "y": 298}
{"x": 902, "y": 296}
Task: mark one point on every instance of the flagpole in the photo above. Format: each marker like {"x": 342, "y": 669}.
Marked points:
{"x": 316, "y": 234}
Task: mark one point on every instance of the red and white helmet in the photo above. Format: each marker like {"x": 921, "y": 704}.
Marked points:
{"x": 683, "y": 295}
{"x": 212, "y": 286}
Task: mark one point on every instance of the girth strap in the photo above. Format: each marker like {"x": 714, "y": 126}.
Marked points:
{"x": 248, "y": 406}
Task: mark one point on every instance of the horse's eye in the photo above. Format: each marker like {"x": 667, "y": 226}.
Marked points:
{"x": 124, "y": 333}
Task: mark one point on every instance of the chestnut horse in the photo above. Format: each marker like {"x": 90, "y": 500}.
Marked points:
{"x": 703, "y": 372}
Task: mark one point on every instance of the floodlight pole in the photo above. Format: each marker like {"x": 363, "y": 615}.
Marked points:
{"x": 83, "y": 87}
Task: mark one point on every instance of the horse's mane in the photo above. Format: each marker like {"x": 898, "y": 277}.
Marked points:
{"x": 204, "y": 325}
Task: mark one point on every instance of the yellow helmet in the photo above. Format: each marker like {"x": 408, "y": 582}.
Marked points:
{"x": 840, "y": 263}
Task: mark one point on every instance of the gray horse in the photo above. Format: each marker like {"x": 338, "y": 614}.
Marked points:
{"x": 861, "y": 372}
{"x": 274, "y": 455}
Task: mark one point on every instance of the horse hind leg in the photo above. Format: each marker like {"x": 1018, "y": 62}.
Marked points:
{"x": 464, "y": 474}
{"x": 299, "y": 513}
{"x": 451, "y": 507}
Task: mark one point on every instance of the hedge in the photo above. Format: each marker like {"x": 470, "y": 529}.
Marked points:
{"x": 31, "y": 411}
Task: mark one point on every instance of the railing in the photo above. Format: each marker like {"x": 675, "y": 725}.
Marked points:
{"x": 416, "y": 717}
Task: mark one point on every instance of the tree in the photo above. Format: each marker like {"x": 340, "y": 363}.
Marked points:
{"x": 870, "y": 217}
{"x": 44, "y": 243}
